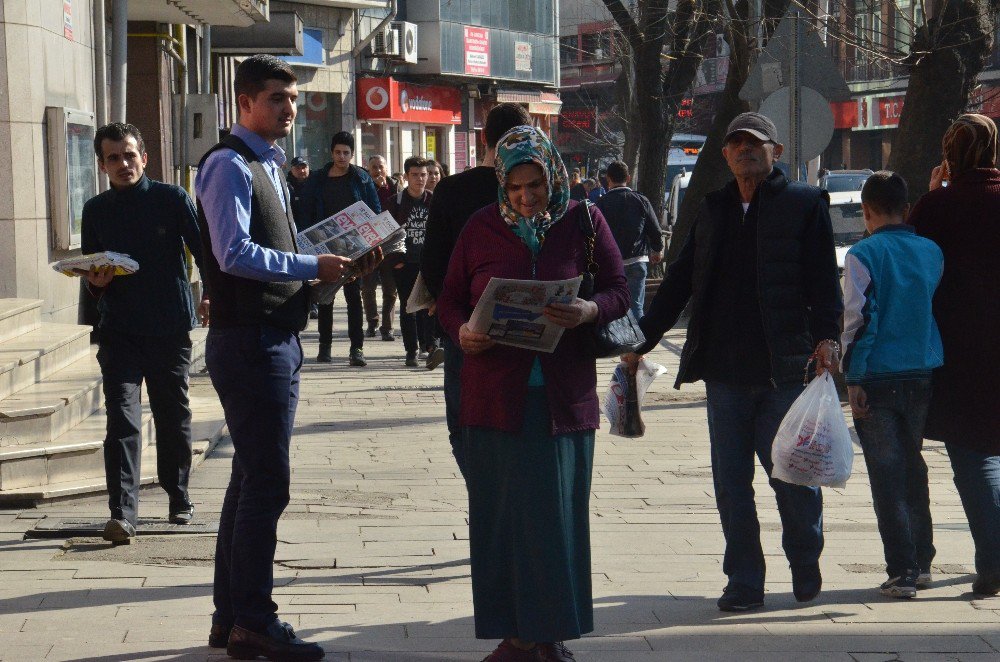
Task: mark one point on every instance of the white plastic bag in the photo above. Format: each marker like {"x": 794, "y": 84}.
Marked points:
{"x": 813, "y": 446}
{"x": 623, "y": 401}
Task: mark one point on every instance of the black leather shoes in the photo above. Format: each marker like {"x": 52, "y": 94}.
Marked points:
{"x": 277, "y": 643}
{"x": 806, "y": 582}
{"x": 181, "y": 514}
{"x": 119, "y": 532}
{"x": 218, "y": 636}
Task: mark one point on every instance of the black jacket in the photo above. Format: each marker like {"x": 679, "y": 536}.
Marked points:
{"x": 313, "y": 207}
{"x": 632, "y": 221}
{"x": 798, "y": 286}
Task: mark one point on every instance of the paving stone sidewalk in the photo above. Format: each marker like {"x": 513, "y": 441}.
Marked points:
{"x": 373, "y": 553}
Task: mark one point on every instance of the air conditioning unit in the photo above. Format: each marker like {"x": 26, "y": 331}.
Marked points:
{"x": 407, "y": 41}
{"x": 386, "y": 43}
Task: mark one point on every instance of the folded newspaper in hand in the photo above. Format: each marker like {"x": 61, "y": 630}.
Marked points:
{"x": 510, "y": 311}
{"x": 351, "y": 233}
{"x": 81, "y": 265}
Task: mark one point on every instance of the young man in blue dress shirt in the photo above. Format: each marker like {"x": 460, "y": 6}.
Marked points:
{"x": 260, "y": 296}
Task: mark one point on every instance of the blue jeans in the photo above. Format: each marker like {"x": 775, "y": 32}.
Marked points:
{"x": 453, "y": 357}
{"x": 892, "y": 436}
{"x": 635, "y": 275}
{"x": 742, "y": 422}
{"x": 977, "y": 477}
{"x": 255, "y": 371}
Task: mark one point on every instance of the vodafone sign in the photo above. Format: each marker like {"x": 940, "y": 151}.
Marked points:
{"x": 392, "y": 100}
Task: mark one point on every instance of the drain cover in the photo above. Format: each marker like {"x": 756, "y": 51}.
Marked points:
{"x": 93, "y": 528}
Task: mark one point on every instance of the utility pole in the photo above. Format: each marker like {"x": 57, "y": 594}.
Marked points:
{"x": 795, "y": 98}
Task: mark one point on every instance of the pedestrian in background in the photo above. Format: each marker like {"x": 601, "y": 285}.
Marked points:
{"x": 594, "y": 190}
{"x": 385, "y": 188}
{"x": 434, "y": 174}
{"x": 261, "y": 303}
{"x": 529, "y": 418}
{"x": 146, "y": 320}
{"x": 455, "y": 200}
{"x": 298, "y": 175}
{"x": 760, "y": 272}
{"x": 964, "y": 412}
{"x": 333, "y": 188}
{"x": 577, "y": 191}
{"x": 633, "y": 224}
{"x": 891, "y": 345}
{"x": 410, "y": 208}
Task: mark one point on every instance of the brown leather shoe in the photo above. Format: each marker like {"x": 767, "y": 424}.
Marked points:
{"x": 277, "y": 643}
{"x": 218, "y": 636}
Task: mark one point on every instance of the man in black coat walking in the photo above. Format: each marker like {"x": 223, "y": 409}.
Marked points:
{"x": 760, "y": 272}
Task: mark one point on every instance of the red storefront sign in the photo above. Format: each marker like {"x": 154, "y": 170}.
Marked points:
{"x": 889, "y": 110}
{"x": 477, "y": 51}
{"x": 578, "y": 119}
{"x": 845, "y": 114}
{"x": 385, "y": 99}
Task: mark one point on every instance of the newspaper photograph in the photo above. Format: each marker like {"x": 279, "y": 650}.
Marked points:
{"x": 510, "y": 311}
{"x": 82, "y": 264}
{"x": 351, "y": 233}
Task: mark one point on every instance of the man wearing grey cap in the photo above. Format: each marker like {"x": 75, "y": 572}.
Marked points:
{"x": 760, "y": 272}
{"x": 298, "y": 175}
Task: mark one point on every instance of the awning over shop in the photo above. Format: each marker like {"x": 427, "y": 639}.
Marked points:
{"x": 599, "y": 78}
{"x": 282, "y": 35}
{"x": 539, "y": 102}
{"x": 242, "y": 13}
{"x": 347, "y": 4}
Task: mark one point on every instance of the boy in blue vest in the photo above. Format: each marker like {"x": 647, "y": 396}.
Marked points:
{"x": 891, "y": 345}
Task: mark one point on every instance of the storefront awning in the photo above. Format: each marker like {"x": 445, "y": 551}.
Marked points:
{"x": 282, "y": 35}
{"x": 242, "y": 13}
{"x": 347, "y": 4}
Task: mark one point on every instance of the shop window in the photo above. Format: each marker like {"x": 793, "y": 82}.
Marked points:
{"x": 569, "y": 49}
{"x": 318, "y": 117}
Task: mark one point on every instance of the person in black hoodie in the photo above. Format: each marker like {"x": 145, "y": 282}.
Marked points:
{"x": 456, "y": 198}
{"x": 333, "y": 188}
{"x": 760, "y": 272}
{"x": 410, "y": 208}
{"x": 633, "y": 223}
{"x": 298, "y": 175}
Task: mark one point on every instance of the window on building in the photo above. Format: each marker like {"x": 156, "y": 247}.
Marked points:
{"x": 903, "y": 28}
{"x": 569, "y": 49}
{"x": 318, "y": 117}
{"x": 595, "y": 46}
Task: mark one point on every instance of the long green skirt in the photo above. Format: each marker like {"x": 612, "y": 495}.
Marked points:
{"x": 529, "y": 529}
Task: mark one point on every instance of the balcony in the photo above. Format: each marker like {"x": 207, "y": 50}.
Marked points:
{"x": 241, "y": 13}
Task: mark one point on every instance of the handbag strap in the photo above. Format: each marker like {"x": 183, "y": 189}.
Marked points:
{"x": 589, "y": 237}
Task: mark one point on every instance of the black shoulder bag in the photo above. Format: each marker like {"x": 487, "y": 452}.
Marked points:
{"x": 617, "y": 337}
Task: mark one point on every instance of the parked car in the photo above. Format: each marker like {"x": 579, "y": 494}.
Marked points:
{"x": 848, "y": 222}
{"x": 840, "y": 181}
{"x": 675, "y": 195}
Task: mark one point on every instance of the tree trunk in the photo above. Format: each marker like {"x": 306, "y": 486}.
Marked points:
{"x": 956, "y": 44}
{"x": 710, "y": 171}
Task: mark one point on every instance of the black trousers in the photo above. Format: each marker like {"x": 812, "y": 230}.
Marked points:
{"x": 255, "y": 371}
{"x": 418, "y": 329}
{"x": 381, "y": 276}
{"x": 163, "y": 362}
{"x": 355, "y": 317}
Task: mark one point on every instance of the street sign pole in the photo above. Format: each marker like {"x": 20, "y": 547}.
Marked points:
{"x": 794, "y": 97}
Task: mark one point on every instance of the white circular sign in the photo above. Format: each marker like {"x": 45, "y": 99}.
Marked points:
{"x": 377, "y": 98}
{"x": 817, "y": 121}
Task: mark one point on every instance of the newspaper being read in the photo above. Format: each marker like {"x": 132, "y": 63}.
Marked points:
{"x": 510, "y": 311}
{"x": 351, "y": 233}
{"x": 81, "y": 266}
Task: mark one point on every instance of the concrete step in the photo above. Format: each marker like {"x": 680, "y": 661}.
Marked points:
{"x": 77, "y": 456}
{"x": 47, "y": 410}
{"x": 74, "y": 463}
{"x": 19, "y": 316}
{"x": 33, "y": 356}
